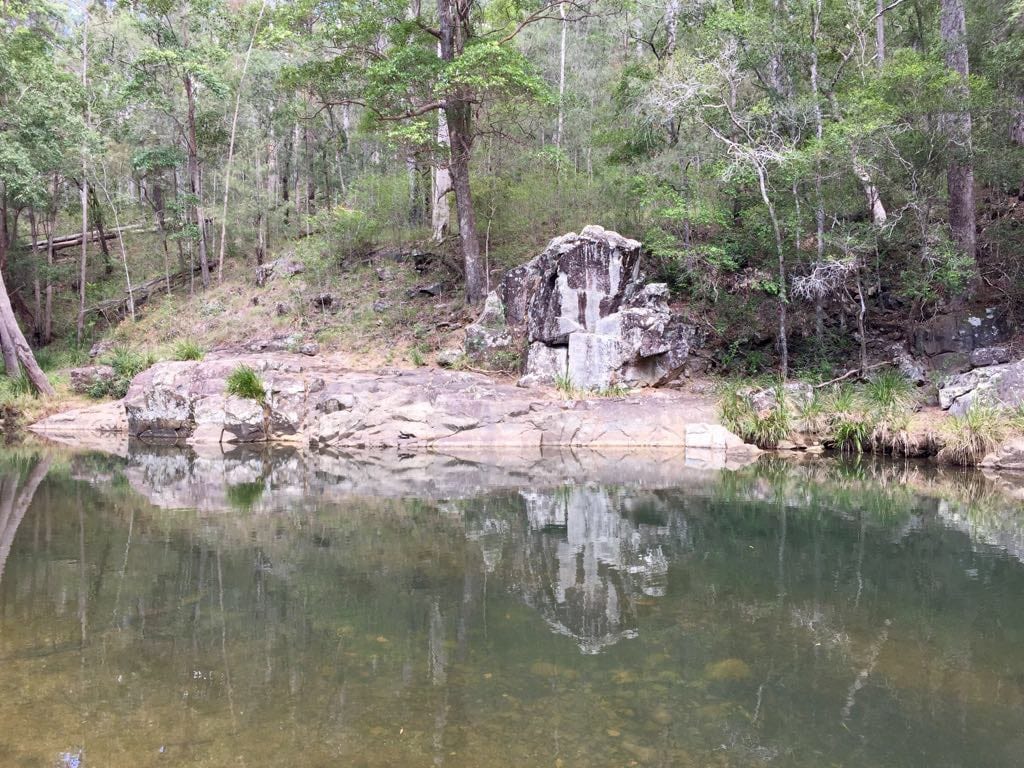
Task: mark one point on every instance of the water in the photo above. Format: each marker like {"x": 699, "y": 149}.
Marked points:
{"x": 285, "y": 610}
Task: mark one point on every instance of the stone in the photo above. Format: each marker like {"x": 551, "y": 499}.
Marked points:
{"x": 434, "y": 289}
{"x": 912, "y": 368}
{"x": 489, "y": 342}
{"x": 323, "y": 301}
{"x": 85, "y": 379}
{"x": 310, "y": 349}
{"x": 593, "y": 360}
{"x": 381, "y": 306}
{"x": 577, "y": 280}
{"x": 985, "y": 356}
{"x": 1009, "y": 455}
{"x": 544, "y": 365}
{"x": 589, "y": 285}
{"x": 449, "y": 357}
{"x": 244, "y": 421}
{"x": 961, "y": 332}
{"x": 101, "y": 348}
{"x": 282, "y": 309}
{"x": 995, "y": 385}
{"x": 282, "y": 267}
{"x": 310, "y": 402}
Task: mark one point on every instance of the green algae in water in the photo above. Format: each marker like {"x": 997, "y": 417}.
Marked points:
{"x": 775, "y": 615}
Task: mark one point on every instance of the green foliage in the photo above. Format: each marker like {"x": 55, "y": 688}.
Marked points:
{"x": 889, "y": 391}
{"x": 127, "y": 364}
{"x": 188, "y": 350}
{"x": 244, "y": 382}
{"x": 244, "y": 496}
{"x": 765, "y": 428}
{"x": 969, "y": 437}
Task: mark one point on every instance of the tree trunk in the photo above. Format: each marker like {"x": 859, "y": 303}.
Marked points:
{"x": 458, "y": 113}
{"x": 11, "y": 338}
{"x": 879, "y": 33}
{"x": 196, "y": 180}
{"x": 960, "y": 171}
{"x": 440, "y": 211}
{"x": 83, "y": 260}
{"x": 97, "y": 222}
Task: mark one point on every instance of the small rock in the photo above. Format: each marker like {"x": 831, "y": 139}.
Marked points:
{"x": 283, "y": 309}
{"x": 84, "y": 379}
{"x": 434, "y": 289}
{"x": 447, "y": 358}
{"x": 816, "y": 449}
{"x": 381, "y": 306}
{"x": 323, "y": 301}
{"x": 786, "y": 445}
{"x": 310, "y": 348}
{"x": 101, "y": 348}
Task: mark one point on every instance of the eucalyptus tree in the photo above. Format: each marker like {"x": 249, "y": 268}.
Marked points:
{"x": 382, "y": 56}
{"x": 176, "y": 67}
{"x": 36, "y": 141}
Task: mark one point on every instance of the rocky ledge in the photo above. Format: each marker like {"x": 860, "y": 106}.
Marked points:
{"x": 311, "y": 401}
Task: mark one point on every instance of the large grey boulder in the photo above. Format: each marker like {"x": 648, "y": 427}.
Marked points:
{"x": 585, "y": 294}
{"x": 996, "y": 385}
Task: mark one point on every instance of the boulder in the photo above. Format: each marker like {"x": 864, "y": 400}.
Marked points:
{"x": 985, "y": 356}
{"x": 282, "y": 267}
{"x": 489, "y": 342}
{"x": 447, "y": 358}
{"x": 906, "y": 364}
{"x": 578, "y": 279}
{"x": 960, "y": 334}
{"x": 1009, "y": 455}
{"x": 585, "y": 293}
{"x": 995, "y": 385}
{"x": 85, "y": 380}
{"x": 544, "y": 365}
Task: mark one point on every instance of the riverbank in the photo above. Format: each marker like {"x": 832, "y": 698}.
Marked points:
{"x": 315, "y": 401}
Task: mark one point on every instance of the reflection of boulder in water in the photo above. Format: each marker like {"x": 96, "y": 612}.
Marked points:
{"x": 583, "y": 563}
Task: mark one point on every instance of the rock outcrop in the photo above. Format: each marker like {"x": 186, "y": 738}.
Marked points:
{"x": 310, "y": 402}
{"x": 946, "y": 342}
{"x": 995, "y": 385}
{"x": 586, "y": 317}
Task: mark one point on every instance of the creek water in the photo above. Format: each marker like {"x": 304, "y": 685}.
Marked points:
{"x": 273, "y": 609}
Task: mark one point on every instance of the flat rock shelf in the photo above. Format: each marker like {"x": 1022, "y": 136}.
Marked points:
{"x": 316, "y": 403}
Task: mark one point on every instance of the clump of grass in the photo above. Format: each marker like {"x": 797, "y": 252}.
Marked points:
{"x": 127, "y": 364}
{"x": 416, "y": 357}
{"x": 565, "y": 385}
{"x": 244, "y": 382}
{"x": 851, "y": 432}
{"x": 765, "y": 429}
{"x": 890, "y": 391}
{"x": 973, "y": 435}
{"x": 187, "y": 349}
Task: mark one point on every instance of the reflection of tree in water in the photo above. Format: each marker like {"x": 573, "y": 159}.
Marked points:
{"x": 583, "y": 556}
{"x": 15, "y": 498}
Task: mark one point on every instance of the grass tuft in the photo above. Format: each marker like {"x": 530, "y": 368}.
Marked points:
{"x": 974, "y": 434}
{"x": 187, "y": 350}
{"x": 244, "y": 382}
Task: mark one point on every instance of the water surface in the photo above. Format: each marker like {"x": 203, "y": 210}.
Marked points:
{"x": 277, "y": 609}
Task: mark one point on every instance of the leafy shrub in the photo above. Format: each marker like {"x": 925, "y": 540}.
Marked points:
{"x": 244, "y": 382}
{"x": 187, "y": 350}
{"x": 851, "y": 432}
{"x": 970, "y": 436}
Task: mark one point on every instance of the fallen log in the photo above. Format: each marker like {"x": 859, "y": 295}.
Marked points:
{"x": 115, "y": 309}
{"x": 71, "y": 241}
